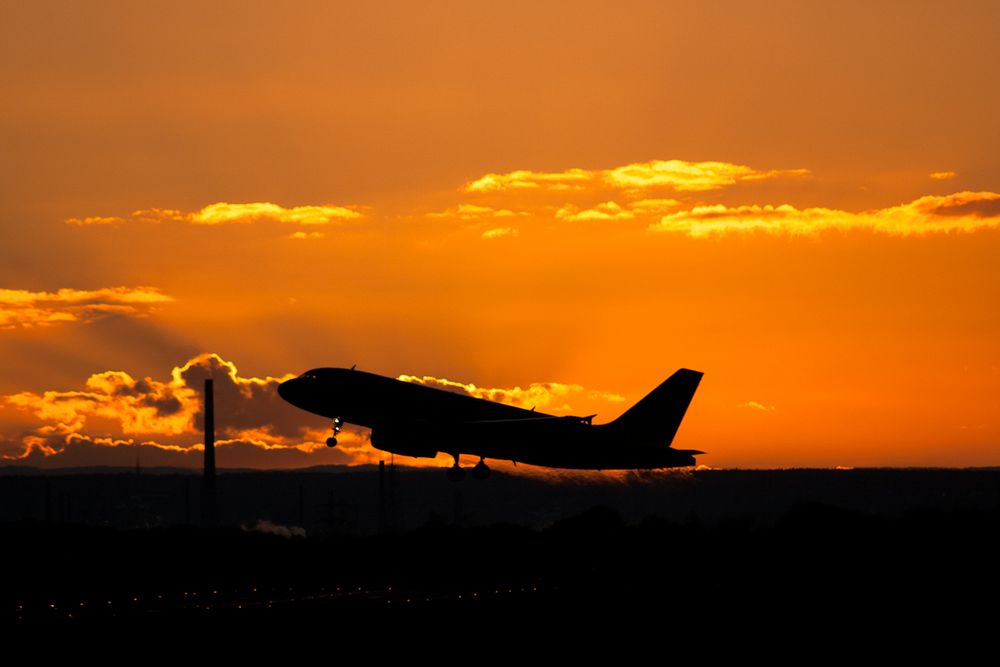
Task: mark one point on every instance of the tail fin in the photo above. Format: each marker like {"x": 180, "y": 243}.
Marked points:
{"x": 658, "y": 415}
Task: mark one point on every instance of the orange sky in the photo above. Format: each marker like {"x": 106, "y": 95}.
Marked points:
{"x": 801, "y": 201}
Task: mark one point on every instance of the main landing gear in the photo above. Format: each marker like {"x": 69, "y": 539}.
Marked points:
{"x": 338, "y": 424}
{"x": 456, "y": 473}
{"x": 481, "y": 470}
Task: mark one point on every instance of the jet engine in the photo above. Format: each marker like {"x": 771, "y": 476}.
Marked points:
{"x": 404, "y": 441}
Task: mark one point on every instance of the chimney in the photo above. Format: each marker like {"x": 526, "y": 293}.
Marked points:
{"x": 209, "y": 434}
{"x": 208, "y": 477}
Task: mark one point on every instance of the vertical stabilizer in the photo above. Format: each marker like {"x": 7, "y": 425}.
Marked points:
{"x": 657, "y": 416}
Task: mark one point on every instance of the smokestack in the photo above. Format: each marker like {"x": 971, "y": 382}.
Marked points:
{"x": 208, "y": 477}
{"x": 209, "y": 433}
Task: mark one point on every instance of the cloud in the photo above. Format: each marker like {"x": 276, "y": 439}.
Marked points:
{"x": 146, "y": 215}
{"x": 535, "y": 395}
{"x": 98, "y": 220}
{"x": 81, "y": 449}
{"x": 77, "y": 449}
{"x": 754, "y": 405}
{"x": 22, "y": 308}
{"x": 653, "y": 206}
{"x": 678, "y": 175}
{"x": 267, "y": 526}
{"x": 499, "y": 232}
{"x": 959, "y": 212}
{"x": 612, "y": 210}
{"x": 942, "y": 175}
{"x": 221, "y": 213}
{"x": 690, "y": 176}
{"x": 608, "y": 210}
{"x": 603, "y": 211}
{"x": 225, "y": 213}
{"x": 981, "y": 205}
{"x": 475, "y": 212}
{"x": 122, "y": 409}
{"x": 571, "y": 179}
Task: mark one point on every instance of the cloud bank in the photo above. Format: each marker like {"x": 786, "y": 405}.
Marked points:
{"x": 677, "y": 175}
{"x": 25, "y": 309}
{"x": 114, "y": 418}
{"x": 222, "y": 213}
{"x": 549, "y": 395}
{"x": 959, "y": 212}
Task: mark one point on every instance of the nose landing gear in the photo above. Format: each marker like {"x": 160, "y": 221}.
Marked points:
{"x": 338, "y": 423}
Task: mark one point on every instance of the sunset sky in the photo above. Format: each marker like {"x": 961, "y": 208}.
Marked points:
{"x": 553, "y": 204}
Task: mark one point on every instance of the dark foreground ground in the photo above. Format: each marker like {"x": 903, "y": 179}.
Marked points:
{"x": 833, "y": 549}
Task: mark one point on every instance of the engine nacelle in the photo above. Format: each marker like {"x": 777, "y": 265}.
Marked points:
{"x": 404, "y": 441}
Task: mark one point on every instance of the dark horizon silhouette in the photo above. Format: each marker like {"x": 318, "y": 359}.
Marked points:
{"x": 331, "y": 500}
{"x": 354, "y": 547}
{"x": 298, "y": 547}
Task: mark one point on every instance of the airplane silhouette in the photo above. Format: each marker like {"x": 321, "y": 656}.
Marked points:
{"x": 416, "y": 420}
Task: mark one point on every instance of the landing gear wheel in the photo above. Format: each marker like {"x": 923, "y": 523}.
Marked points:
{"x": 337, "y": 424}
{"x": 456, "y": 474}
{"x": 481, "y": 470}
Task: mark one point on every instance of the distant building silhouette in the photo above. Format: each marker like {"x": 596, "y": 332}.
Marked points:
{"x": 382, "y": 509}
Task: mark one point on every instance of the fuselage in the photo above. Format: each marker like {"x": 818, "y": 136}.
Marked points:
{"x": 416, "y": 420}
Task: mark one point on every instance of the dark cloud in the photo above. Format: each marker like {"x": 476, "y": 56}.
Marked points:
{"x": 243, "y": 403}
{"x": 114, "y": 411}
{"x": 979, "y": 208}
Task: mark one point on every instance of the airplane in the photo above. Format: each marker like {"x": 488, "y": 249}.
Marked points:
{"x": 416, "y": 420}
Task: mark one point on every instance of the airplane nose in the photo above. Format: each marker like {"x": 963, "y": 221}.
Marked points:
{"x": 287, "y": 390}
